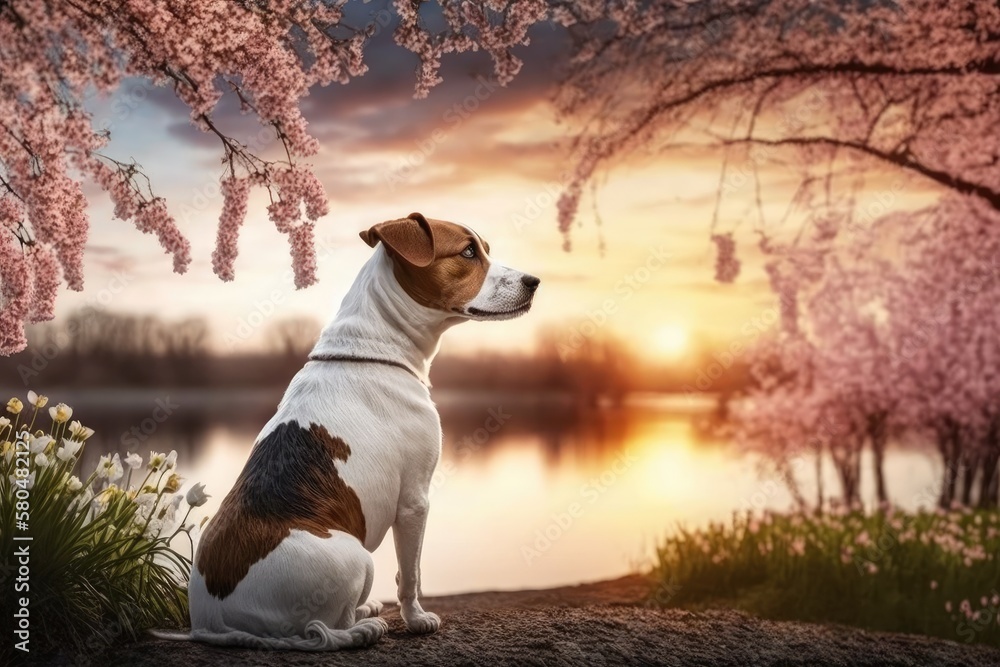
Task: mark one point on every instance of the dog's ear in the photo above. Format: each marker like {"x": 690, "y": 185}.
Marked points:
{"x": 410, "y": 238}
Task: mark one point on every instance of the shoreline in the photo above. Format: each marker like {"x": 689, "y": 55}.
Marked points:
{"x": 599, "y": 623}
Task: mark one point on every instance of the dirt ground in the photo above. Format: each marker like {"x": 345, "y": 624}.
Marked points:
{"x": 606, "y": 623}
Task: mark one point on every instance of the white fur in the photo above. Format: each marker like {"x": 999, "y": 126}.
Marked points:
{"x": 310, "y": 593}
{"x": 502, "y": 296}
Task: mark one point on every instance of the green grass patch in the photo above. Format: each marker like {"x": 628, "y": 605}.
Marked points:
{"x": 86, "y": 562}
{"x": 931, "y": 572}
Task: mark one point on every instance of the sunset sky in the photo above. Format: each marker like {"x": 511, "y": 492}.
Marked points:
{"x": 384, "y": 155}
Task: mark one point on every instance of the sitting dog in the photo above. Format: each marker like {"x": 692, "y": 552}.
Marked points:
{"x": 285, "y": 562}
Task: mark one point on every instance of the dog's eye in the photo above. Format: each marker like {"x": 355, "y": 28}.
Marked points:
{"x": 470, "y": 252}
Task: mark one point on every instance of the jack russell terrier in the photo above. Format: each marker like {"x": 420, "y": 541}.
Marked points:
{"x": 285, "y": 562}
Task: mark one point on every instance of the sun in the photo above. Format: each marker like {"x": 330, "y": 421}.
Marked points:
{"x": 670, "y": 340}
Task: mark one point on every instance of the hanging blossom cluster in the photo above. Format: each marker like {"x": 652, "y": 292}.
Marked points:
{"x": 727, "y": 266}
{"x": 268, "y": 55}
{"x": 915, "y": 88}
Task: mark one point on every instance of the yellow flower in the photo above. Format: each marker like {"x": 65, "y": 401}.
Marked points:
{"x": 36, "y": 400}
{"x": 61, "y": 413}
{"x": 14, "y": 406}
{"x": 173, "y": 483}
{"x": 109, "y": 494}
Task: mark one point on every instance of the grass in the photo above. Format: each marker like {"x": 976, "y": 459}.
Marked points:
{"x": 930, "y": 572}
{"x": 100, "y": 568}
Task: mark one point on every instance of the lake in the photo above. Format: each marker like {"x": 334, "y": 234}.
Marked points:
{"x": 530, "y": 491}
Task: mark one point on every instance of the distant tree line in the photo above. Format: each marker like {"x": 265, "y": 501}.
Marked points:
{"x": 96, "y": 348}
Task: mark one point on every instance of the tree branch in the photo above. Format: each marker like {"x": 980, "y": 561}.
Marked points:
{"x": 898, "y": 159}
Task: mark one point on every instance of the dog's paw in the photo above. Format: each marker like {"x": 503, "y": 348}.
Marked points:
{"x": 422, "y": 623}
{"x": 368, "y": 631}
{"x": 370, "y": 609}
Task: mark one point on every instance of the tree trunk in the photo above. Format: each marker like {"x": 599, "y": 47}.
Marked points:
{"x": 949, "y": 449}
{"x": 991, "y": 457}
{"x": 878, "y": 433}
{"x": 819, "y": 479}
{"x": 970, "y": 464}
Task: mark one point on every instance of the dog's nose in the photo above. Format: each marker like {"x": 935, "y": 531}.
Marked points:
{"x": 531, "y": 282}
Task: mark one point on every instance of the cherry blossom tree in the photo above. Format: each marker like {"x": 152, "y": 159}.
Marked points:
{"x": 265, "y": 54}
{"x": 835, "y": 94}
{"x": 828, "y": 85}
{"x": 946, "y": 355}
{"x": 896, "y": 338}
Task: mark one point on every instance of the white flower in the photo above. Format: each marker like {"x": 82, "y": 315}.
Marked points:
{"x": 36, "y": 400}
{"x": 153, "y": 529}
{"x": 4, "y": 422}
{"x": 42, "y": 461}
{"x": 196, "y": 496}
{"x": 171, "y": 460}
{"x": 144, "y": 505}
{"x": 133, "y": 461}
{"x": 61, "y": 413}
{"x": 68, "y": 450}
{"x": 73, "y": 484}
{"x": 30, "y": 480}
{"x": 82, "y": 500}
{"x": 156, "y": 461}
{"x": 110, "y": 467}
{"x": 80, "y": 431}
{"x": 37, "y": 444}
{"x": 167, "y": 513}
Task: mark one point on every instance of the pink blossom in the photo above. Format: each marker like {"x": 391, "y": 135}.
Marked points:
{"x": 236, "y": 193}
{"x": 727, "y": 266}
{"x": 57, "y": 54}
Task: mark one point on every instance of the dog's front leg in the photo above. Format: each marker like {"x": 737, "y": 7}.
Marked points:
{"x": 408, "y": 535}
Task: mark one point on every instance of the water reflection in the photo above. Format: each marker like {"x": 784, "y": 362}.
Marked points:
{"x": 530, "y": 492}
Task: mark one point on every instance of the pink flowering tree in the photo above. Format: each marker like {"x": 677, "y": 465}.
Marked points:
{"x": 896, "y": 338}
{"x": 835, "y": 89}
{"x": 946, "y": 354}
{"x": 266, "y": 55}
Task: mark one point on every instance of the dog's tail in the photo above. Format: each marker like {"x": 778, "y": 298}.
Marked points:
{"x": 318, "y": 637}
{"x": 170, "y": 635}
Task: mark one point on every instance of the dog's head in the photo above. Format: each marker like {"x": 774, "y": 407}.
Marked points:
{"x": 447, "y": 266}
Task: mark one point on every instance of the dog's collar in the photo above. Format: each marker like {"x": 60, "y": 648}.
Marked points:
{"x": 366, "y": 360}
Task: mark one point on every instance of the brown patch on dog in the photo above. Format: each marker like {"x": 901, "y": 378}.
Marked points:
{"x": 289, "y": 482}
{"x": 432, "y": 269}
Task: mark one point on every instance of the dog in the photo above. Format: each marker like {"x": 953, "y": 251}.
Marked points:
{"x": 349, "y": 453}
